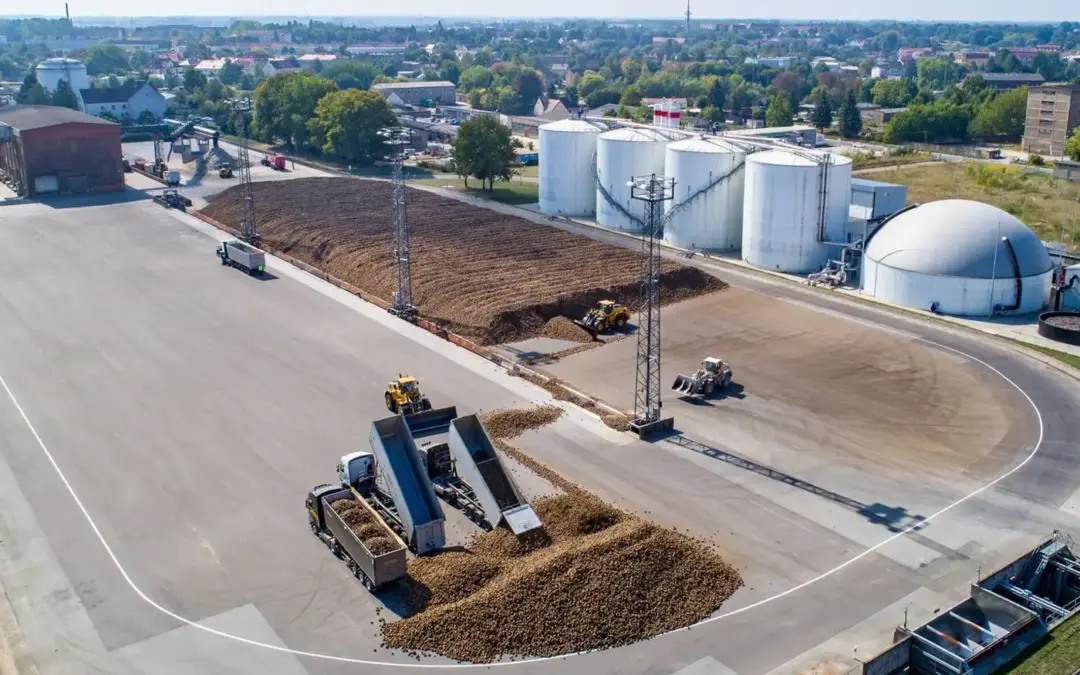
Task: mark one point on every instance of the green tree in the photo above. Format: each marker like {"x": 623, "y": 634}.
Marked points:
{"x": 590, "y": 82}
{"x": 778, "y": 114}
{"x": 528, "y": 86}
{"x": 103, "y": 59}
{"x": 65, "y": 96}
{"x": 146, "y": 117}
{"x": 939, "y": 122}
{"x": 214, "y": 91}
{"x": 823, "y": 112}
{"x": 602, "y": 97}
{"x": 37, "y": 95}
{"x": 351, "y": 74}
{"x": 194, "y": 79}
{"x": 850, "y": 117}
{"x": 937, "y": 73}
{"x": 347, "y": 123}
{"x": 1072, "y": 146}
{"x": 482, "y": 149}
{"x": 475, "y": 77}
{"x": 631, "y": 96}
{"x": 717, "y": 94}
{"x": 285, "y": 103}
{"x": 891, "y": 93}
{"x": 1002, "y": 115}
{"x": 106, "y": 115}
{"x": 172, "y": 80}
{"x": 231, "y": 73}
{"x": 24, "y": 89}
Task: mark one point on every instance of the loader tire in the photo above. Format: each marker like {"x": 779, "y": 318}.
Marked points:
{"x": 390, "y": 403}
{"x": 620, "y": 322}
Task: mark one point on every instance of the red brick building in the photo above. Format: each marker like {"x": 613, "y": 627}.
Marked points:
{"x": 50, "y": 150}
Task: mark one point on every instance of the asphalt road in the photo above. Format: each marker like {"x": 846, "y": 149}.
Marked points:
{"x": 190, "y": 408}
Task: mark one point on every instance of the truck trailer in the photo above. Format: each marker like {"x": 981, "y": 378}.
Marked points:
{"x": 242, "y": 256}
{"x": 374, "y": 571}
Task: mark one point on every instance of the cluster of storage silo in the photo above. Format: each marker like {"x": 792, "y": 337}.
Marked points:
{"x": 778, "y": 205}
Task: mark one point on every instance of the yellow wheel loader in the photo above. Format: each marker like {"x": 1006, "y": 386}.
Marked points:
{"x": 608, "y": 315}
{"x": 403, "y": 396}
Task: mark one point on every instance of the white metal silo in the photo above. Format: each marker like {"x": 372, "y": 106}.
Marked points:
{"x": 707, "y": 210}
{"x": 622, "y": 154}
{"x": 783, "y": 204}
{"x": 567, "y": 157}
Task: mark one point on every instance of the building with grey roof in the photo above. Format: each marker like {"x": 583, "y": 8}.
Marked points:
{"x": 433, "y": 93}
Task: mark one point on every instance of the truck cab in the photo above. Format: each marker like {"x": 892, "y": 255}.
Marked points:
{"x": 356, "y": 468}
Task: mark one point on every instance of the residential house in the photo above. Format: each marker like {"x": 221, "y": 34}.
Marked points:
{"x": 309, "y": 60}
{"x": 285, "y": 65}
{"x": 827, "y": 62}
{"x": 1048, "y": 48}
{"x": 210, "y": 67}
{"x": 879, "y": 117}
{"x": 417, "y": 93}
{"x": 603, "y": 110}
{"x": 551, "y": 109}
{"x": 1025, "y": 56}
{"x": 848, "y": 70}
{"x": 888, "y": 71}
{"x": 663, "y": 40}
{"x": 1006, "y": 81}
{"x": 907, "y": 54}
{"x": 130, "y": 99}
{"x": 973, "y": 59}
{"x": 783, "y": 62}
{"x": 374, "y": 48}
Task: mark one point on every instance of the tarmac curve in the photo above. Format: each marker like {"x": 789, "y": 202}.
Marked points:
{"x": 390, "y": 664}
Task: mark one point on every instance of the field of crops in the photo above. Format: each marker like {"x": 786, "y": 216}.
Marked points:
{"x": 487, "y": 276}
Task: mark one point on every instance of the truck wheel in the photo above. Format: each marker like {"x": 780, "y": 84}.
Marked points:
{"x": 364, "y": 580}
{"x": 337, "y": 550}
{"x": 314, "y": 527}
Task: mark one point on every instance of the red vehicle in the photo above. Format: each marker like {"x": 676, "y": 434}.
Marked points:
{"x": 274, "y": 161}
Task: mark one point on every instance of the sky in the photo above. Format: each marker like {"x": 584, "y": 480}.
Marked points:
{"x": 926, "y": 10}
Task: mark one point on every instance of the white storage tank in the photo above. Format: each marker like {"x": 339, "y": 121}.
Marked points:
{"x": 782, "y": 228}
{"x": 960, "y": 257}
{"x": 50, "y": 71}
{"x": 567, "y": 176}
{"x": 622, "y": 154}
{"x": 707, "y": 210}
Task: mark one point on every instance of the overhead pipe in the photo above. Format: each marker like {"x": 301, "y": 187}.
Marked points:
{"x": 1019, "y": 281}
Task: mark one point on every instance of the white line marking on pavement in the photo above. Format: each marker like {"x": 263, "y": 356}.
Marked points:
{"x": 390, "y": 664}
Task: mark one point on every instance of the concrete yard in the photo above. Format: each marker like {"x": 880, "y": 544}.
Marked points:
{"x": 190, "y": 408}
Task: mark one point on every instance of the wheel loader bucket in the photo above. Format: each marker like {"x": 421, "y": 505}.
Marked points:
{"x": 684, "y": 385}
{"x": 589, "y": 327}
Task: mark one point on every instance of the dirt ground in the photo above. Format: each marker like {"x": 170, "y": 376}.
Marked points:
{"x": 821, "y": 386}
{"x": 485, "y": 275}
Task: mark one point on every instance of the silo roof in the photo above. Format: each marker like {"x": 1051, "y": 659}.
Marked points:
{"x": 784, "y": 158}
{"x": 959, "y": 238}
{"x": 702, "y": 144}
{"x": 636, "y": 134}
{"x": 571, "y": 126}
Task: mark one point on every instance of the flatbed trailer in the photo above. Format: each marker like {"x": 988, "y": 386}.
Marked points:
{"x": 373, "y": 571}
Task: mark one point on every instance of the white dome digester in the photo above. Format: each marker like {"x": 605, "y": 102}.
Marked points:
{"x": 962, "y": 257}
{"x": 782, "y": 209}
{"x": 567, "y": 157}
{"x": 707, "y": 210}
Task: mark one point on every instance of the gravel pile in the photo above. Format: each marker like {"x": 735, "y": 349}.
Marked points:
{"x": 562, "y": 328}
{"x": 215, "y": 157}
{"x": 1068, "y": 322}
{"x": 601, "y": 588}
{"x": 514, "y": 422}
{"x": 380, "y": 545}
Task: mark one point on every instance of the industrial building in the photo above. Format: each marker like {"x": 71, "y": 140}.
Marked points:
{"x": 706, "y": 212}
{"x": 50, "y": 72}
{"x": 1007, "y": 81}
{"x": 48, "y": 149}
{"x": 958, "y": 257}
{"x": 1053, "y": 112}
{"x": 418, "y": 93}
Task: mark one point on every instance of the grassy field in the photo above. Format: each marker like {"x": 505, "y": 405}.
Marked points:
{"x": 507, "y": 193}
{"x": 1043, "y": 203}
{"x": 1058, "y": 655}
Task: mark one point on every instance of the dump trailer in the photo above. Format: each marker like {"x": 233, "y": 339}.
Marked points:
{"x": 431, "y": 433}
{"x": 242, "y": 256}
{"x": 171, "y": 199}
{"x": 478, "y": 465}
{"x": 401, "y": 475}
{"x": 374, "y": 571}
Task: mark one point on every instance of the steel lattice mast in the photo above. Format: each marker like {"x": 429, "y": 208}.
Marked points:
{"x": 248, "y": 230}
{"x": 397, "y": 138}
{"x": 653, "y": 190}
